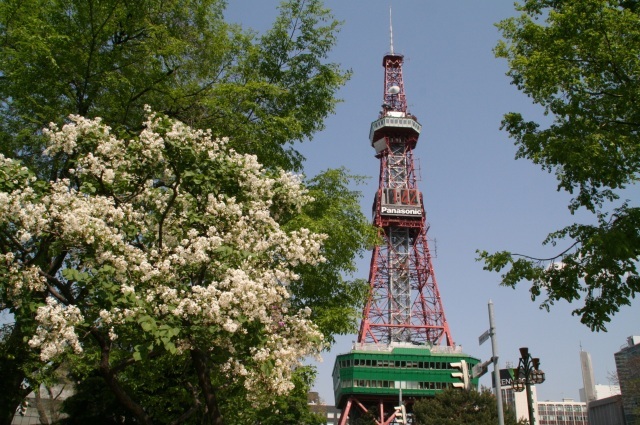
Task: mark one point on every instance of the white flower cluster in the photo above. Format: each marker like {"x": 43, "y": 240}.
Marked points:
{"x": 59, "y": 320}
{"x": 283, "y": 348}
{"x": 173, "y": 247}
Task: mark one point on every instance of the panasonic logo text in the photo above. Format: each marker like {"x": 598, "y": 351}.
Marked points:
{"x": 414, "y": 212}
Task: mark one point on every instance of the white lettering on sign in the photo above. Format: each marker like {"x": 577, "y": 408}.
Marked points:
{"x": 396, "y": 210}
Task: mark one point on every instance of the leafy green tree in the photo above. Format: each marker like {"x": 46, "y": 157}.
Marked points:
{"x": 336, "y": 212}
{"x": 163, "y": 383}
{"x": 292, "y": 409}
{"x": 93, "y": 402}
{"x": 453, "y": 406}
{"x": 149, "y": 261}
{"x": 48, "y": 397}
{"x": 581, "y": 62}
{"x": 168, "y": 387}
{"x": 109, "y": 58}
{"x": 367, "y": 418}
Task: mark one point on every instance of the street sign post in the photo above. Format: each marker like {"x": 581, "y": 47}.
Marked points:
{"x": 485, "y": 336}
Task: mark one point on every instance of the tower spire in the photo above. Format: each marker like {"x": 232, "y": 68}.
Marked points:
{"x": 390, "y": 29}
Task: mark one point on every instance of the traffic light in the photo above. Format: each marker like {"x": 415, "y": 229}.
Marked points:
{"x": 401, "y": 414}
{"x": 463, "y": 375}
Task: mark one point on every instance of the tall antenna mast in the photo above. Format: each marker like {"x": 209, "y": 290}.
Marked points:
{"x": 391, "y": 29}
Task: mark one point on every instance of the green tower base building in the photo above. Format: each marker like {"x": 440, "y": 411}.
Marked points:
{"x": 382, "y": 376}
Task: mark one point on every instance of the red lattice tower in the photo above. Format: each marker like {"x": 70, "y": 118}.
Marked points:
{"x": 404, "y": 302}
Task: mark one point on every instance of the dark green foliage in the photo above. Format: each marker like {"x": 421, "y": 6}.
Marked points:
{"x": 335, "y": 301}
{"x": 581, "y": 62}
{"x": 292, "y": 409}
{"x": 93, "y": 403}
{"x": 109, "y": 58}
{"x": 367, "y": 418}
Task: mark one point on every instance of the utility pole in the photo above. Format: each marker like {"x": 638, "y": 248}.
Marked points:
{"x": 481, "y": 369}
{"x": 496, "y": 367}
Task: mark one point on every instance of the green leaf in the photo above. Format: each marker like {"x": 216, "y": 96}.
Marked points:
{"x": 579, "y": 61}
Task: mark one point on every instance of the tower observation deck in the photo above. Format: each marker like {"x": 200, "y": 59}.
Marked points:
{"x": 405, "y": 350}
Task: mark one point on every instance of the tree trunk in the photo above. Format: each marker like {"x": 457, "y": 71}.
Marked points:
{"x": 42, "y": 413}
{"x": 113, "y": 384}
{"x": 12, "y": 391}
{"x": 212, "y": 415}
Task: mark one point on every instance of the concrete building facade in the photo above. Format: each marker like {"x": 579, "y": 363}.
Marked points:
{"x": 588, "y": 392}
{"x": 606, "y": 411}
{"x": 565, "y": 412}
{"x": 628, "y": 369}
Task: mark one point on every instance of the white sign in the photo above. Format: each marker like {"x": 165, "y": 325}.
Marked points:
{"x": 401, "y": 210}
{"x": 485, "y": 336}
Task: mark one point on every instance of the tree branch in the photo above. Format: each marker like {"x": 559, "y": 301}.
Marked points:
{"x": 573, "y": 245}
{"x": 212, "y": 411}
{"x": 52, "y": 290}
{"x": 197, "y": 404}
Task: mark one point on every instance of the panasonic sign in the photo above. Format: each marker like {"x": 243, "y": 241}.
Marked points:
{"x": 401, "y": 210}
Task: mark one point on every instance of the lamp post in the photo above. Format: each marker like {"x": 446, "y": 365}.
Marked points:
{"x": 527, "y": 373}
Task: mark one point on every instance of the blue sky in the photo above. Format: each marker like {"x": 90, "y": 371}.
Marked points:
{"x": 476, "y": 195}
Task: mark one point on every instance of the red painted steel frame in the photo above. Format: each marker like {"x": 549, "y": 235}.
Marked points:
{"x": 426, "y": 322}
{"x": 379, "y": 417}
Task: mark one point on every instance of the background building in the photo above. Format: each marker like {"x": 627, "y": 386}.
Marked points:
{"x": 565, "y": 412}
{"x": 331, "y": 413}
{"x": 592, "y": 391}
{"x": 628, "y": 368}
{"x": 588, "y": 393}
{"x": 606, "y": 411}
{"x": 603, "y": 391}
{"x": 49, "y": 403}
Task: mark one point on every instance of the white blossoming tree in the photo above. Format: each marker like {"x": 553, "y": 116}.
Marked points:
{"x": 163, "y": 246}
